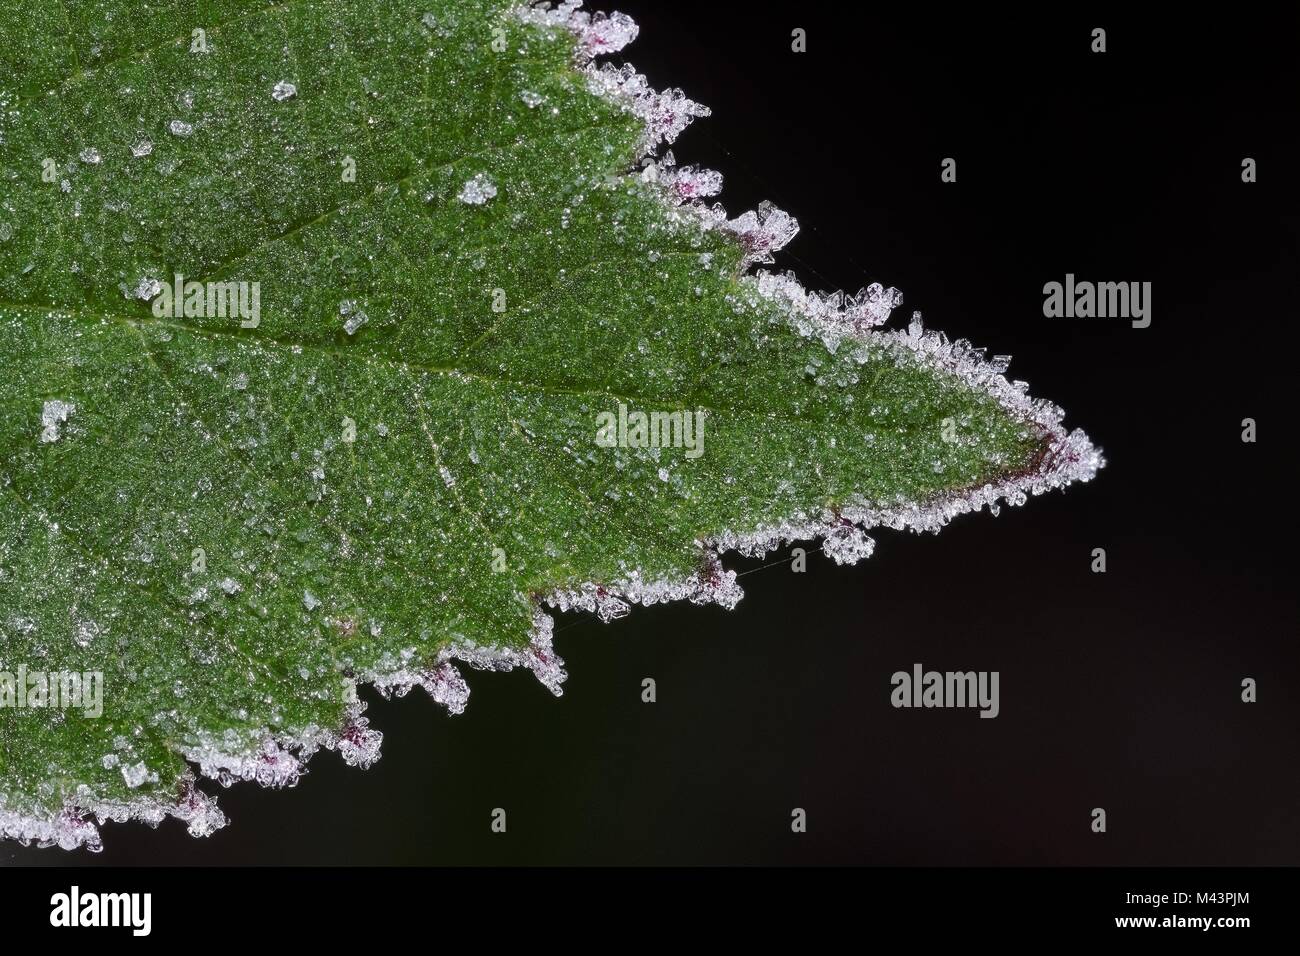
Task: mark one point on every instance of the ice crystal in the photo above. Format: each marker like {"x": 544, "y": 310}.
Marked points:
{"x": 443, "y": 683}
{"x": 353, "y": 317}
{"x": 691, "y": 183}
{"x": 597, "y": 33}
{"x": 665, "y": 114}
{"x": 763, "y": 231}
{"x": 832, "y": 317}
{"x": 283, "y": 90}
{"x": 848, "y": 544}
{"x": 146, "y": 289}
{"x": 53, "y": 415}
{"x": 137, "y": 774}
{"x": 478, "y": 190}
{"x": 86, "y": 633}
{"x": 180, "y": 128}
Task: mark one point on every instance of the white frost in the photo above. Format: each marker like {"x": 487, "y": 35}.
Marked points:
{"x": 137, "y": 774}
{"x": 53, "y": 415}
{"x": 478, "y": 190}
{"x": 353, "y": 317}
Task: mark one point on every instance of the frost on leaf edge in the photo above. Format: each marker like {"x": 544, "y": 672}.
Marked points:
{"x": 834, "y": 319}
{"x": 1070, "y": 456}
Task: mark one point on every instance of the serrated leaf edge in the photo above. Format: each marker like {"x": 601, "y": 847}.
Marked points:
{"x": 1069, "y": 457}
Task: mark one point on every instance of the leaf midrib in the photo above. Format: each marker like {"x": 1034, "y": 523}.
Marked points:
{"x": 452, "y": 372}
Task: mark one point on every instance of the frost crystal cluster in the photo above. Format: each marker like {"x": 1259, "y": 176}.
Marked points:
{"x": 478, "y": 190}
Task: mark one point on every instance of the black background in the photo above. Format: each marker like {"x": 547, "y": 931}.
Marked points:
{"x": 1118, "y": 690}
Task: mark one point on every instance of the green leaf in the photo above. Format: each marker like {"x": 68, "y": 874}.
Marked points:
{"x": 397, "y": 466}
